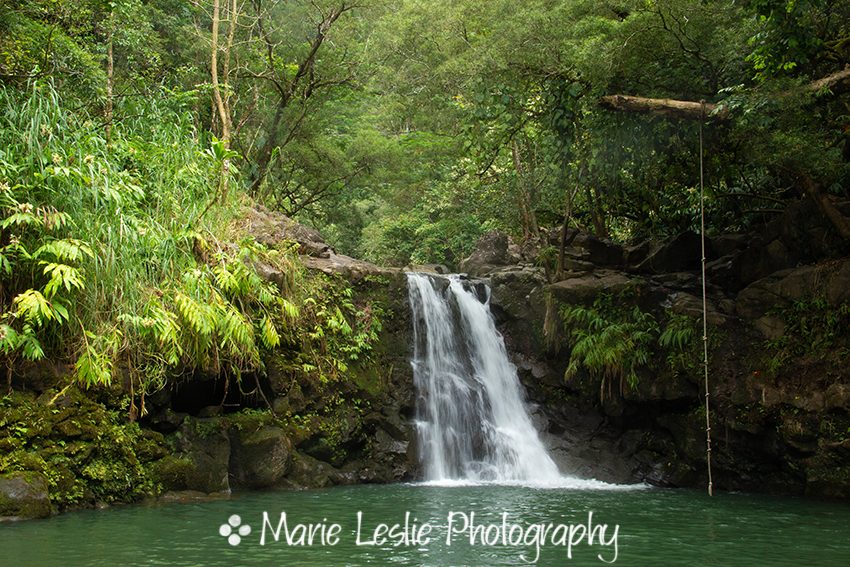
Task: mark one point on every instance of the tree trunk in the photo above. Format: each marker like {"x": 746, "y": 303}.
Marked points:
{"x": 827, "y": 208}
{"x": 110, "y": 79}
{"x": 265, "y": 155}
{"x": 222, "y": 103}
{"x": 288, "y": 91}
{"x": 568, "y": 213}
{"x": 529, "y": 218}
{"x": 595, "y": 214}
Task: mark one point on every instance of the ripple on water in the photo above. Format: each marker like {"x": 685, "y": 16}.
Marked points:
{"x": 655, "y": 527}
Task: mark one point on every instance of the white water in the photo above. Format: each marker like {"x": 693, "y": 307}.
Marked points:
{"x": 472, "y": 422}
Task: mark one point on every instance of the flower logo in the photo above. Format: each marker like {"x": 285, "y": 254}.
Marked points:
{"x": 233, "y": 531}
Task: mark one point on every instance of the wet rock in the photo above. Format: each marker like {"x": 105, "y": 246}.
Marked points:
{"x": 308, "y": 472}
{"x": 190, "y": 496}
{"x": 204, "y": 444}
{"x": 24, "y": 495}
{"x": 260, "y": 458}
{"x": 427, "y": 268}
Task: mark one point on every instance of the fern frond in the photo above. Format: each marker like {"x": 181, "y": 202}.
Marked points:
{"x": 34, "y": 308}
{"x": 268, "y": 333}
{"x": 62, "y": 276}
{"x": 65, "y": 250}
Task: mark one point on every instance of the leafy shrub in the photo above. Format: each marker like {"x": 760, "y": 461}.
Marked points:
{"x": 613, "y": 342}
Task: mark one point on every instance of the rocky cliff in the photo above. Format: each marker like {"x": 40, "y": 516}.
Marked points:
{"x": 779, "y": 332}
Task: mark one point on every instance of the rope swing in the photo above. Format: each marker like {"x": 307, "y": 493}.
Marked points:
{"x": 704, "y": 300}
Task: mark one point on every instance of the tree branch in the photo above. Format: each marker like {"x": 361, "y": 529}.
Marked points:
{"x": 835, "y": 84}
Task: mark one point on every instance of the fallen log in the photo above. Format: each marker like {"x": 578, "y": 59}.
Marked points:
{"x": 834, "y": 84}
{"x": 671, "y": 108}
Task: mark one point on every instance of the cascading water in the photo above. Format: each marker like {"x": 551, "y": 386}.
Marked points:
{"x": 472, "y": 422}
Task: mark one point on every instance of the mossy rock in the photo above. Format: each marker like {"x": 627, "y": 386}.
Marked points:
{"x": 260, "y": 458}
{"x": 171, "y": 472}
{"x": 24, "y": 495}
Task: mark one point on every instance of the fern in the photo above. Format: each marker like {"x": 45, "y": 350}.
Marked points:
{"x": 609, "y": 343}
{"x": 269, "y": 334}
{"x": 22, "y": 218}
{"x": 65, "y": 250}
{"x": 94, "y": 365}
{"x": 61, "y": 276}
{"x": 29, "y": 345}
{"x": 199, "y": 317}
{"x": 36, "y": 310}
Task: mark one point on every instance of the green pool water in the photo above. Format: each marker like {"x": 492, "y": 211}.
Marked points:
{"x": 653, "y": 527}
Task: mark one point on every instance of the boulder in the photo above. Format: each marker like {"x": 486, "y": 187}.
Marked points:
{"x": 260, "y": 458}
{"x": 273, "y": 229}
{"x": 584, "y": 288}
{"x": 634, "y": 255}
{"x": 491, "y": 251}
{"x": 837, "y": 396}
{"x": 512, "y": 290}
{"x": 830, "y": 280}
{"x": 40, "y": 375}
{"x": 686, "y": 304}
{"x": 680, "y": 253}
{"x": 726, "y": 244}
{"x": 24, "y": 495}
{"x": 601, "y": 252}
{"x": 204, "y": 444}
{"x": 350, "y": 268}
{"x": 427, "y": 268}
{"x": 759, "y": 260}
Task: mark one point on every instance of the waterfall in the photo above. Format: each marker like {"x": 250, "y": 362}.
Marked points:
{"x": 472, "y": 422}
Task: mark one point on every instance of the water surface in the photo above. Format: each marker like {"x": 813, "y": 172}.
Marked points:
{"x": 655, "y": 527}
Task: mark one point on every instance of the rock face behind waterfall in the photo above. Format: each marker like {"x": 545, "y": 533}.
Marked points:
{"x": 780, "y": 402}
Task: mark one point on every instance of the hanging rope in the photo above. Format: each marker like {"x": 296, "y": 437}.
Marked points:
{"x": 704, "y": 301}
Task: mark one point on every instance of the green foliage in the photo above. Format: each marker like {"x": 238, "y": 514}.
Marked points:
{"x": 415, "y": 127}
{"x": 797, "y": 35}
{"x": 90, "y": 228}
{"x": 609, "y": 342}
{"x": 680, "y": 339}
{"x": 812, "y": 328}
{"x": 335, "y": 331}
{"x": 614, "y": 343}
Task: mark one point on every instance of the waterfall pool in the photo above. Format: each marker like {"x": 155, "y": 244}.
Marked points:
{"x": 653, "y": 527}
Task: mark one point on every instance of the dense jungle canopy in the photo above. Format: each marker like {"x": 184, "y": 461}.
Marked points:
{"x": 134, "y": 130}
